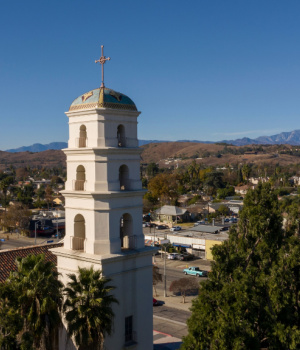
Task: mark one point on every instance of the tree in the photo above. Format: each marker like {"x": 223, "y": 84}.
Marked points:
{"x": 223, "y": 210}
{"x": 10, "y": 320}
{"x": 251, "y": 299}
{"x": 17, "y": 216}
{"x": 156, "y": 277}
{"x": 48, "y": 196}
{"x": 88, "y": 308}
{"x": 246, "y": 170}
{"x": 151, "y": 170}
{"x": 4, "y": 186}
{"x": 33, "y": 299}
{"x": 184, "y": 286}
{"x": 21, "y": 173}
{"x": 213, "y": 181}
{"x": 164, "y": 186}
{"x": 226, "y": 192}
{"x": 25, "y": 194}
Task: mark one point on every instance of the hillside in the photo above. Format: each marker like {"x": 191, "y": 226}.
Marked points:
{"x": 172, "y": 153}
{"x": 46, "y": 159}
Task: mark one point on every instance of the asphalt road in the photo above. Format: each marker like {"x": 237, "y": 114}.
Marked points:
{"x": 170, "y": 321}
{"x": 174, "y": 270}
{"x": 14, "y": 241}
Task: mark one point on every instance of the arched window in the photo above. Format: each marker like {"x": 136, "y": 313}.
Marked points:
{"x": 79, "y": 233}
{"x": 124, "y": 177}
{"x": 121, "y": 136}
{"x": 80, "y": 178}
{"x": 82, "y": 136}
{"x": 126, "y": 230}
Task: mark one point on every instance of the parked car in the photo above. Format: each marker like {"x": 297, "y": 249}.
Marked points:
{"x": 175, "y": 228}
{"x": 173, "y": 256}
{"x": 233, "y": 220}
{"x": 155, "y": 302}
{"x": 195, "y": 271}
{"x": 226, "y": 220}
{"x": 185, "y": 257}
{"x": 161, "y": 227}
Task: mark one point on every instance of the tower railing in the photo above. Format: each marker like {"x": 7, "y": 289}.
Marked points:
{"x": 79, "y": 185}
{"x": 81, "y": 142}
{"x": 77, "y": 243}
{"x": 130, "y": 242}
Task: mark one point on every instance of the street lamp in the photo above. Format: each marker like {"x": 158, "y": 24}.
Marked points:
{"x": 57, "y": 224}
{"x": 165, "y": 276}
{"x": 35, "y": 225}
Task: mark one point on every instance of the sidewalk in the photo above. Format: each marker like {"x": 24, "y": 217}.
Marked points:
{"x": 15, "y": 241}
{"x": 176, "y": 301}
{"x": 162, "y": 341}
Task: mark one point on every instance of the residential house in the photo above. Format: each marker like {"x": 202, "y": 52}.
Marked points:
{"x": 172, "y": 214}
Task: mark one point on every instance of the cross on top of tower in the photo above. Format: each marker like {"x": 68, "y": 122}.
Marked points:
{"x": 102, "y": 61}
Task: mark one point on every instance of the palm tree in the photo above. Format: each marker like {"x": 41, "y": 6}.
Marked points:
{"x": 88, "y": 308}
{"x": 39, "y": 294}
{"x": 4, "y": 186}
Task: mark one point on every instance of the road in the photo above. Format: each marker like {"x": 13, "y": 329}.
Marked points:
{"x": 174, "y": 270}
{"x": 15, "y": 241}
{"x": 170, "y": 320}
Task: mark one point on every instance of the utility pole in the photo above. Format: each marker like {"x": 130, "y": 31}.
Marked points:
{"x": 57, "y": 225}
{"x": 153, "y": 243}
{"x": 165, "y": 276}
{"x": 35, "y": 232}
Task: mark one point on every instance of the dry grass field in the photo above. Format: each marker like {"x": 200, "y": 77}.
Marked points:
{"x": 166, "y": 154}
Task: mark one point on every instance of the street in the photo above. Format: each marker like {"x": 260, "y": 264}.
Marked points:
{"x": 171, "y": 321}
{"x": 174, "y": 270}
{"x": 171, "y": 315}
{"x": 13, "y": 240}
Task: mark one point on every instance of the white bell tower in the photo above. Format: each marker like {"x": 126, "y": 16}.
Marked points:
{"x": 103, "y": 208}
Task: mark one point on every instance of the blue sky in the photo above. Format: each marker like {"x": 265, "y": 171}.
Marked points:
{"x": 196, "y": 69}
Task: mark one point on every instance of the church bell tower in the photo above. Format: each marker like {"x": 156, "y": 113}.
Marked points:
{"x": 103, "y": 208}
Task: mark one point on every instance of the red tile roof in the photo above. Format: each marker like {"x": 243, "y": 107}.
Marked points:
{"x": 8, "y": 257}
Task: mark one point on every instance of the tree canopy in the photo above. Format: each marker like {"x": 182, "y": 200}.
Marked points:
{"x": 30, "y": 303}
{"x": 252, "y": 297}
{"x": 88, "y": 308}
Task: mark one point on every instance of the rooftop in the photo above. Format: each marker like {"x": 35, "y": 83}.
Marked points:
{"x": 8, "y": 257}
{"x": 103, "y": 98}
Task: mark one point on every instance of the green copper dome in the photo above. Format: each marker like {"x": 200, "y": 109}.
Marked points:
{"x": 103, "y": 98}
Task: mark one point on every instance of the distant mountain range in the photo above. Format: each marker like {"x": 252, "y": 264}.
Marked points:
{"x": 291, "y": 138}
{"x": 38, "y": 147}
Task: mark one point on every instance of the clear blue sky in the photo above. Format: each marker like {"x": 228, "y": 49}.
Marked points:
{"x": 197, "y": 69}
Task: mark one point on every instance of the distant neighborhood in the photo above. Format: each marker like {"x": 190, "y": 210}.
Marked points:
{"x": 208, "y": 200}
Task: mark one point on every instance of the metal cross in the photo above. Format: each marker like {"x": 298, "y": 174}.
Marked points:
{"x": 102, "y": 61}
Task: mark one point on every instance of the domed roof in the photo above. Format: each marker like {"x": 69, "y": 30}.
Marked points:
{"x": 103, "y": 98}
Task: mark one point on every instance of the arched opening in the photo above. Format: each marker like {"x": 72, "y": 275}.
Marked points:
{"x": 124, "y": 177}
{"x": 121, "y": 136}
{"x": 80, "y": 178}
{"x": 82, "y": 136}
{"x": 126, "y": 230}
{"x": 79, "y": 233}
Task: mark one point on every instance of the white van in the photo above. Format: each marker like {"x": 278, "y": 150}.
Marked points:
{"x": 173, "y": 256}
